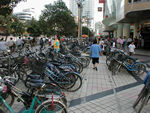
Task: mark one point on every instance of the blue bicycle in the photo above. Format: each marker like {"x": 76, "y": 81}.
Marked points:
{"x": 131, "y": 65}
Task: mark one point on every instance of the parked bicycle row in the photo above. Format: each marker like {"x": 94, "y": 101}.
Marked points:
{"x": 46, "y": 75}
{"x": 118, "y": 59}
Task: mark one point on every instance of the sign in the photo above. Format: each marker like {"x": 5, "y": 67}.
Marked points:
{"x": 99, "y": 9}
{"x": 101, "y": 1}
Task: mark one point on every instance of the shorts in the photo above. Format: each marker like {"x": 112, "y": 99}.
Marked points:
{"x": 95, "y": 60}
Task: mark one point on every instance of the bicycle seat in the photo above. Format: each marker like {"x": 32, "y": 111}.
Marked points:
{"x": 36, "y": 81}
{"x": 36, "y": 85}
{"x": 34, "y": 76}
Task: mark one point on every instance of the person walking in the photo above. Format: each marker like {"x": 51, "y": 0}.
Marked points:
{"x": 131, "y": 49}
{"x": 56, "y": 45}
{"x": 11, "y": 45}
{"x": 95, "y": 52}
{"x": 19, "y": 43}
{"x": 41, "y": 43}
{"x": 102, "y": 46}
{"x": 3, "y": 46}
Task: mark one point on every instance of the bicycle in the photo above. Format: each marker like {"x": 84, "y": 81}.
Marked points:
{"x": 29, "y": 100}
{"x": 144, "y": 95}
{"x": 136, "y": 68}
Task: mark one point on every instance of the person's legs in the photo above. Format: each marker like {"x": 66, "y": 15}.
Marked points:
{"x": 96, "y": 63}
{"x": 93, "y": 61}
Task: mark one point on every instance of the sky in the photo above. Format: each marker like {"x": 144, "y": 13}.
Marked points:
{"x": 39, "y": 5}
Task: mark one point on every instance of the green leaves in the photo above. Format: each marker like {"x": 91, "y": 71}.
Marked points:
{"x": 59, "y": 19}
{"x": 34, "y": 28}
{"x": 6, "y": 6}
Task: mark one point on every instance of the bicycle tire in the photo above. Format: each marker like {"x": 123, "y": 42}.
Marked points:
{"x": 108, "y": 61}
{"x": 78, "y": 66}
{"x": 9, "y": 100}
{"x": 140, "y": 96}
{"x": 78, "y": 78}
{"x": 144, "y": 101}
{"x": 139, "y": 69}
{"x": 83, "y": 61}
{"x": 1, "y": 111}
{"x": 56, "y": 104}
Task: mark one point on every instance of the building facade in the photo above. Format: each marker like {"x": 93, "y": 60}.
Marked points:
{"x": 129, "y": 18}
{"x": 87, "y": 11}
{"x": 26, "y": 14}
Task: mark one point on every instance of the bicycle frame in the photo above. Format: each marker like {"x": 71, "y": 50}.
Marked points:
{"x": 51, "y": 75}
{"x": 6, "y": 104}
{"x": 130, "y": 67}
{"x": 31, "y": 110}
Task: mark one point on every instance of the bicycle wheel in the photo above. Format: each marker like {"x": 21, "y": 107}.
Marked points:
{"x": 78, "y": 66}
{"x": 1, "y": 111}
{"x": 144, "y": 102}
{"x": 138, "y": 69}
{"x": 51, "y": 107}
{"x": 108, "y": 61}
{"x": 140, "y": 96}
{"x": 77, "y": 83}
{"x": 9, "y": 98}
{"x": 83, "y": 62}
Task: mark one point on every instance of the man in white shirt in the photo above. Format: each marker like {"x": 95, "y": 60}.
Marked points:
{"x": 3, "y": 46}
{"x": 19, "y": 43}
{"x": 131, "y": 49}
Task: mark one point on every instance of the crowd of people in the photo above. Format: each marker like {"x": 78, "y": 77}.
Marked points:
{"x": 127, "y": 44}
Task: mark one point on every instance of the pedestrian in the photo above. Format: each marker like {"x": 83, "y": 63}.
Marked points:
{"x": 19, "y": 43}
{"x": 95, "y": 52}
{"x": 119, "y": 43}
{"x": 41, "y": 43}
{"x": 102, "y": 46}
{"x": 124, "y": 43}
{"x": 56, "y": 45}
{"x": 3, "y": 46}
{"x": 131, "y": 49}
{"x": 11, "y": 45}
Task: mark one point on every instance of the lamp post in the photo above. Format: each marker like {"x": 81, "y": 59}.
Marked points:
{"x": 80, "y": 6}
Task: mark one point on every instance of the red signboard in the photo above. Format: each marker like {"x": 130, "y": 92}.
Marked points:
{"x": 101, "y": 1}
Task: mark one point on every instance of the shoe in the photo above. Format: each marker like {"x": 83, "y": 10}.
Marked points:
{"x": 96, "y": 68}
{"x": 93, "y": 67}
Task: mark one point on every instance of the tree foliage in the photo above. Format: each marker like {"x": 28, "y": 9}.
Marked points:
{"x": 34, "y": 28}
{"x": 58, "y": 19}
{"x": 86, "y": 31}
{"x": 6, "y": 6}
{"x": 17, "y": 27}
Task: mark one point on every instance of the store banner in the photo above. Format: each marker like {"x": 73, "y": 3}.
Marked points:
{"x": 101, "y": 1}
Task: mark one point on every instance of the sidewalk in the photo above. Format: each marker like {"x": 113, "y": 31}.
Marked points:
{"x": 102, "y": 93}
{"x": 144, "y": 52}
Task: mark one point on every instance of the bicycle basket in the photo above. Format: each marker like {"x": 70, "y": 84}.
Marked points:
{"x": 38, "y": 66}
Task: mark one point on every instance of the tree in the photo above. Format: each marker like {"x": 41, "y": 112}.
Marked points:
{"x": 58, "y": 19}
{"x": 86, "y": 31}
{"x": 6, "y": 6}
{"x": 34, "y": 28}
{"x": 17, "y": 27}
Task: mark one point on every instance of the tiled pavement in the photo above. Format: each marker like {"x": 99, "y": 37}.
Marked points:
{"x": 103, "y": 93}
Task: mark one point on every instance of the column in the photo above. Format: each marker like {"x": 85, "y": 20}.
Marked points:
{"x": 135, "y": 30}
{"x": 126, "y": 30}
{"x": 119, "y": 30}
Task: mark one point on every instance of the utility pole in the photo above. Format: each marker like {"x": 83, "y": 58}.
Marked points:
{"x": 80, "y": 6}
